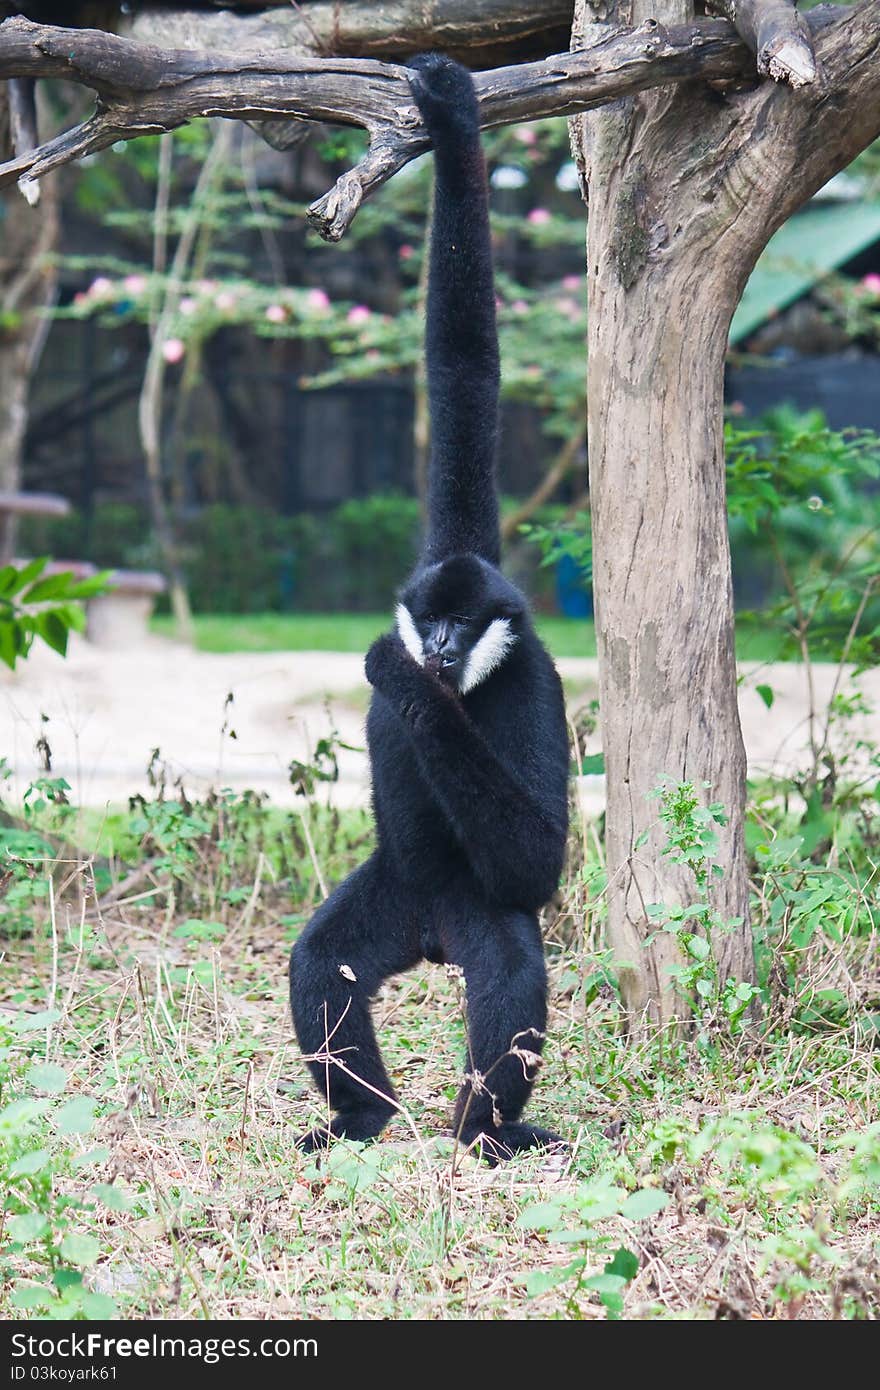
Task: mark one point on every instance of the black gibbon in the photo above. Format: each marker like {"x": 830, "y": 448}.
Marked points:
{"x": 466, "y": 731}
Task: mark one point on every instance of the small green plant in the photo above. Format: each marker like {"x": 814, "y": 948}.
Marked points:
{"x": 581, "y": 1218}
{"x": 48, "y": 1200}
{"x": 692, "y": 841}
{"x": 36, "y": 605}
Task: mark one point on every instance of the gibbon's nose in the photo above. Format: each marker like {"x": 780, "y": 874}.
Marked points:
{"x": 440, "y": 643}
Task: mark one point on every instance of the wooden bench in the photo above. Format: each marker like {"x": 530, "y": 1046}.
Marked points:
{"x": 16, "y": 504}
{"x": 120, "y": 617}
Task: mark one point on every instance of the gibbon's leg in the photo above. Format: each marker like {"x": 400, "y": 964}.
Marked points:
{"x": 355, "y": 940}
{"x": 502, "y": 957}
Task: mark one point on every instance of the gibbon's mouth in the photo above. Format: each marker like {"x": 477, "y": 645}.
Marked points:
{"x": 442, "y": 666}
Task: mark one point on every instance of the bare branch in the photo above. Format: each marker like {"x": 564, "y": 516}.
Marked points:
{"x": 776, "y": 34}
{"x": 143, "y": 89}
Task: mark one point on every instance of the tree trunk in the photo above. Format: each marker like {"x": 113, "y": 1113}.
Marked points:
{"x": 659, "y": 309}
{"x": 662, "y": 579}
{"x": 685, "y": 188}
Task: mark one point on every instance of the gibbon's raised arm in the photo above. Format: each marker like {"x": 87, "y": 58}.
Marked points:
{"x": 461, "y": 345}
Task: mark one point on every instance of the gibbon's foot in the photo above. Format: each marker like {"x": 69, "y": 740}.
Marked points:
{"x": 500, "y": 1143}
{"x": 362, "y": 1125}
{"x": 444, "y": 93}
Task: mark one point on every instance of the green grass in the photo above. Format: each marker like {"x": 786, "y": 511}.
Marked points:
{"x": 151, "y": 1091}
{"x": 354, "y": 632}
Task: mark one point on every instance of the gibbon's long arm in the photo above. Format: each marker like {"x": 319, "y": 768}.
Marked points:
{"x": 521, "y": 861}
{"x": 461, "y": 345}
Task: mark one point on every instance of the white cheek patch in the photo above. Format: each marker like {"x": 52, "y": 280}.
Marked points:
{"x": 409, "y": 634}
{"x": 487, "y": 655}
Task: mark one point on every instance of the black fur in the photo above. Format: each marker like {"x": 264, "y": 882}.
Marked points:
{"x": 469, "y": 789}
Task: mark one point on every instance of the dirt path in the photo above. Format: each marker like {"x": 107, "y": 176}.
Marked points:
{"x": 105, "y": 714}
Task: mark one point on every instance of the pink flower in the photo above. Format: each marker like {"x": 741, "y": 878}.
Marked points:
{"x": 318, "y": 299}
{"x": 519, "y": 306}
{"x": 872, "y": 283}
{"x": 359, "y": 314}
{"x": 539, "y": 217}
{"x": 188, "y": 306}
{"x": 567, "y": 306}
{"x": 80, "y": 299}
{"x": 572, "y": 282}
{"x": 173, "y": 349}
{"x": 533, "y": 372}
{"x": 373, "y": 355}
{"x": 525, "y": 135}
{"x": 406, "y": 252}
{"x": 276, "y": 313}
{"x": 135, "y": 284}
{"x": 207, "y": 286}
{"x": 225, "y": 301}
{"x": 101, "y": 287}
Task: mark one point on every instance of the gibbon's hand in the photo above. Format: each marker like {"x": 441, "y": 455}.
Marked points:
{"x": 408, "y": 687}
{"x": 445, "y": 96}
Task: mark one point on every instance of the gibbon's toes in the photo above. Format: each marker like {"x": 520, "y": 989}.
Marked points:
{"x": 362, "y": 1126}
{"x": 444, "y": 93}
{"x": 315, "y": 1141}
{"x": 499, "y": 1145}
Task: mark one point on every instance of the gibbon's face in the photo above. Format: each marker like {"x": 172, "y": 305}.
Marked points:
{"x": 460, "y": 619}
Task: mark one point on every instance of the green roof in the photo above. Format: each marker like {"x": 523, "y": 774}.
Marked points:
{"x": 804, "y": 250}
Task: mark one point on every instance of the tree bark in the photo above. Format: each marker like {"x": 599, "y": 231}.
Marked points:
{"x": 685, "y": 188}
{"x": 483, "y": 34}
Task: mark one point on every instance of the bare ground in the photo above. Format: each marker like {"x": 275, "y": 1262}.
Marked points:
{"x": 103, "y": 714}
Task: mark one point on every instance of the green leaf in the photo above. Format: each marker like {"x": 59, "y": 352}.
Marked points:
{"x": 28, "y": 1164}
{"x": 35, "y": 1023}
{"x": 9, "y": 649}
{"x": 98, "y": 1307}
{"x": 30, "y": 1225}
{"x": 623, "y": 1263}
{"x": 539, "y": 1281}
{"x": 76, "y": 1117}
{"x": 605, "y": 1283}
{"x": 80, "y": 1249}
{"x": 698, "y": 947}
{"x": 31, "y": 1296}
{"x": 543, "y": 1216}
{"x": 766, "y": 694}
{"x": 85, "y": 1160}
{"x": 88, "y": 588}
{"x": 54, "y": 632}
{"x": 14, "y": 578}
{"x": 45, "y": 1077}
{"x": 112, "y": 1196}
{"x": 56, "y": 586}
{"x": 20, "y": 1113}
{"x": 644, "y": 1203}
